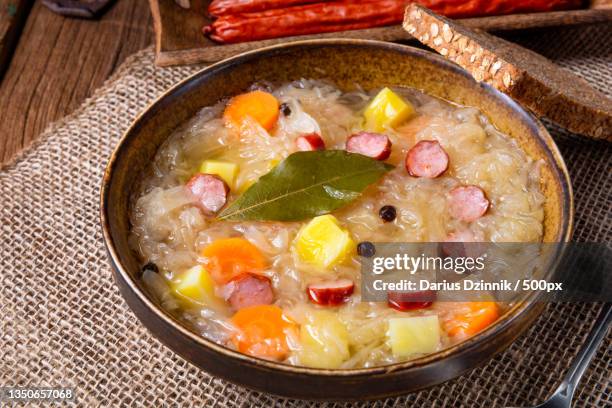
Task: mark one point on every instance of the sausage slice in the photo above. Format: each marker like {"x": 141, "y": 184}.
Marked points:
{"x": 311, "y": 142}
{"x": 210, "y": 190}
{"x": 460, "y": 244}
{"x": 404, "y": 301}
{"x": 461, "y": 236}
{"x": 331, "y": 293}
{"x": 426, "y": 159}
{"x": 249, "y": 290}
{"x": 374, "y": 145}
{"x": 467, "y": 203}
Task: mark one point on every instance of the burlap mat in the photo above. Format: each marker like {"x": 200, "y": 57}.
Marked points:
{"x": 63, "y": 322}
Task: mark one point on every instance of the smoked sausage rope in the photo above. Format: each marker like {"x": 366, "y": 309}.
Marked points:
{"x": 307, "y": 19}
{"x": 218, "y": 8}
{"x": 330, "y": 16}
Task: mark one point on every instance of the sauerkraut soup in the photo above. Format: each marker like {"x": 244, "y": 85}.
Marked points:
{"x": 253, "y": 217}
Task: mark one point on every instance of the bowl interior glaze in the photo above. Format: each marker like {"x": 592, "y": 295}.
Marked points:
{"x": 370, "y": 64}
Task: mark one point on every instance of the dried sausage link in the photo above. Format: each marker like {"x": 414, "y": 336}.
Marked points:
{"x": 331, "y": 16}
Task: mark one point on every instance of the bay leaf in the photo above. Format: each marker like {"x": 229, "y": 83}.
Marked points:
{"x": 306, "y": 184}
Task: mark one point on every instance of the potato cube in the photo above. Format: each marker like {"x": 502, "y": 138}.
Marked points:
{"x": 387, "y": 109}
{"x": 224, "y": 169}
{"x": 197, "y": 286}
{"x": 323, "y": 341}
{"x": 413, "y": 335}
{"x": 323, "y": 242}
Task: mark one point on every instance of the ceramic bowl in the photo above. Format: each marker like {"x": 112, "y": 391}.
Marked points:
{"x": 370, "y": 64}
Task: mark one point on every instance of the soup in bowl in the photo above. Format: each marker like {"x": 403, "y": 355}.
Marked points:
{"x": 257, "y": 197}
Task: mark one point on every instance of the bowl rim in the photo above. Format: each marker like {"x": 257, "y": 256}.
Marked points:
{"x": 501, "y": 324}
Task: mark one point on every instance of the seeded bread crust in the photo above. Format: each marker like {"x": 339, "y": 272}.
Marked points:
{"x": 528, "y": 77}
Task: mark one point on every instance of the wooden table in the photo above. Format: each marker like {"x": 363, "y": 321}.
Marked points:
{"x": 58, "y": 63}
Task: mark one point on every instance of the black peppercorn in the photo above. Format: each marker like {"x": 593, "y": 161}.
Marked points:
{"x": 366, "y": 249}
{"x": 387, "y": 213}
{"x": 285, "y": 109}
{"x": 150, "y": 267}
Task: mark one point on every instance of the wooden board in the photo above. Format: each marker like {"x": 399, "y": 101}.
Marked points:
{"x": 59, "y": 62}
{"x": 179, "y": 38}
{"x": 13, "y": 14}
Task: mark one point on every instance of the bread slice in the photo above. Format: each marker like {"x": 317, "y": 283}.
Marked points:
{"x": 534, "y": 81}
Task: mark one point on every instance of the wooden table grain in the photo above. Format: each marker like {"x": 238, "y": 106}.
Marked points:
{"x": 59, "y": 62}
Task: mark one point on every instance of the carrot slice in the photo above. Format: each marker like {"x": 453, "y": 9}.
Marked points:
{"x": 261, "y": 106}
{"x": 229, "y": 257}
{"x": 262, "y": 331}
{"x": 478, "y": 316}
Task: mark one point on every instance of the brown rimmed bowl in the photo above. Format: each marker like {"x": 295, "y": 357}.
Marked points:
{"x": 371, "y": 64}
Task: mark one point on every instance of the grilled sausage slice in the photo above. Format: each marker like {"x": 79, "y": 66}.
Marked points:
{"x": 404, "y": 301}
{"x": 426, "y": 159}
{"x": 210, "y": 190}
{"x": 311, "y": 142}
{"x": 249, "y": 290}
{"x": 374, "y": 145}
{"x": 331, "y": 293}
{"x": 467, "y": 203}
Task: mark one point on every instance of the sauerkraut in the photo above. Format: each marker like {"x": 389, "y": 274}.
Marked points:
{"x": 170, "y": 230}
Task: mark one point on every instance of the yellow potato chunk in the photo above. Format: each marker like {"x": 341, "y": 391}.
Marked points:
{"x": 323, "y": 242}
{"x": 196, "y": 285}
{"x": 323, "y": 341}
{"x": 387, "y": 109}
{"x": 413, "y": 335}
{"x": 224, "y": 169}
